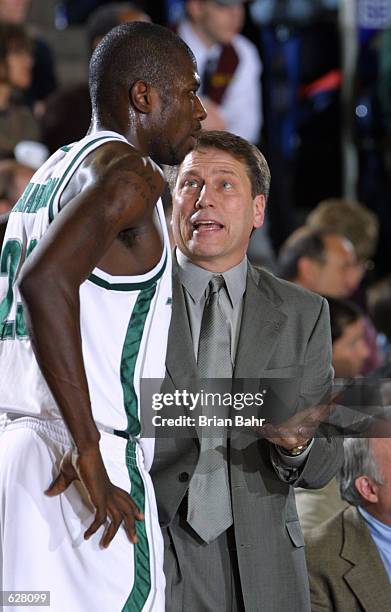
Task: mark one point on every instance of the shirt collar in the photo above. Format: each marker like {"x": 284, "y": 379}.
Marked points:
{"x": 378, "y": 528}
{"x": 196, "y": 279}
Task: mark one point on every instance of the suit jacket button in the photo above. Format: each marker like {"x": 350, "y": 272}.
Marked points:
{"x": 183, "y": 477}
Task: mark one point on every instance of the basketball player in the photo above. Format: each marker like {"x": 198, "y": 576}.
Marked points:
{"x": 85, "y": 293}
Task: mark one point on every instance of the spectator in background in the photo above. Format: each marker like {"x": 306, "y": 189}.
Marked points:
{"x": 106, "y": 17}
{"x": 325, "y": 262}
{"x": 379, "y": 307}
{"x": 349, "y": 354}
{"x": 349, "y": 556}
{"x": 319, "y": 260}
{"x": 348, "y": 336}
{"x": 361, "y": 226}
{"x": 44, "y": 79}
{"x": 228, "y": 63}
{"x": 16, "y": 120}
{"x": 354, "y": 221}
{"x": 13, "y": 179}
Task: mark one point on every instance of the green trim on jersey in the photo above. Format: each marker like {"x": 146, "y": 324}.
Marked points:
{"x": 97, "y": 280}
{"x": 130, "y": 352}
{"x": 142, "y": 572}
{"x": 71, "y": 165}
{"x": 129, "y": 356}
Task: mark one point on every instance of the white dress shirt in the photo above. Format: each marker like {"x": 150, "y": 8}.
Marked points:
{"x": 241, "y": 107}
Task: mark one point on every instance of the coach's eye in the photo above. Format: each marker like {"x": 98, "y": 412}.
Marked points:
{"x": 193, "y": 183}
{"x": 227, "y": 185}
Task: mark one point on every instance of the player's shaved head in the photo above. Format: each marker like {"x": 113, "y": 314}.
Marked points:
{"x": 132, "y": 52}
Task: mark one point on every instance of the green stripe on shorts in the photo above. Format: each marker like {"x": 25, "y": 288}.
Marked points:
{"x": 142, "y": 573}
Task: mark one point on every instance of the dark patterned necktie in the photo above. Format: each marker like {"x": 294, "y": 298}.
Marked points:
{"x": 209, "y": 503}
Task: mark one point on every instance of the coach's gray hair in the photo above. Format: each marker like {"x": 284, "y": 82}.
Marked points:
{"x": 358, "y": 461}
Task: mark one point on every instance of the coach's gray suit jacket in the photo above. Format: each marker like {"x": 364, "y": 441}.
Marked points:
{"x": 284, "y": 333}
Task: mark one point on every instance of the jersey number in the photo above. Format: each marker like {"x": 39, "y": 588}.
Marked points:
{"x": 9, "y": 265}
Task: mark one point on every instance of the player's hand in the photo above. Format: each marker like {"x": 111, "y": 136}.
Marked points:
{"x": 112, "y": 504}
{"x": 299, "y": 429}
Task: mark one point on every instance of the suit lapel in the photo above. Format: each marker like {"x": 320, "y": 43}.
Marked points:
{"x": 260, "y": 329}
{"x": 367, "y": 578}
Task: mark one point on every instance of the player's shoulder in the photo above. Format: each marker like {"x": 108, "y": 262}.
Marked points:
{"x": 112, "y": 164}
{"x": 119, "y": 152}
{"x": 118, "y": 158}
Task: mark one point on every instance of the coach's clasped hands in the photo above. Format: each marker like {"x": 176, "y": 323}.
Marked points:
{"x": 299, "y": 429}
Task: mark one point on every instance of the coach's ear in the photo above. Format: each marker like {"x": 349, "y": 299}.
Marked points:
{"x": 259, "y": 203}
{"x": 140, "y": 95}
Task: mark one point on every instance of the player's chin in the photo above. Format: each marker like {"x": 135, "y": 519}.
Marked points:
{"x": 189, "y": 143}
{"x": 179, "y": 153}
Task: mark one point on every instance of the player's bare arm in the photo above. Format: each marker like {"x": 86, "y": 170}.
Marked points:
{"x": 120, "y": 192}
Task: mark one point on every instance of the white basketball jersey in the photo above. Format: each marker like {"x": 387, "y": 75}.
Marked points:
{"x": 124, "y": 319}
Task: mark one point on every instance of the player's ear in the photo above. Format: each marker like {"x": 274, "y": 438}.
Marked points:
{"x": 140, "y": 96}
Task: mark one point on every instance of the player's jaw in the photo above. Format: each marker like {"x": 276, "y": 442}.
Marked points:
{"x": 181, "y": 147}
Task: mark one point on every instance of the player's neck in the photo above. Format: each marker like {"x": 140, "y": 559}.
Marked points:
{"x": 98, "y": 125}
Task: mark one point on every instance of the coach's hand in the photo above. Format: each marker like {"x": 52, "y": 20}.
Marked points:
{"x": 299, "y": 429}
{"x": 110, "y": 502}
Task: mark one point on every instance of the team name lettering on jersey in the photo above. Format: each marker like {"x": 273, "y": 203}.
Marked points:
{"x": 36, "y": 196}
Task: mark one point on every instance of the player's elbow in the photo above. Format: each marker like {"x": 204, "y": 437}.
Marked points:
{"x": 31, "y": 286}
{"x": 36, "y": 283}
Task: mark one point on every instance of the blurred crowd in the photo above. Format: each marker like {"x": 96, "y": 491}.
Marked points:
{"x": 271, "y": 72}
